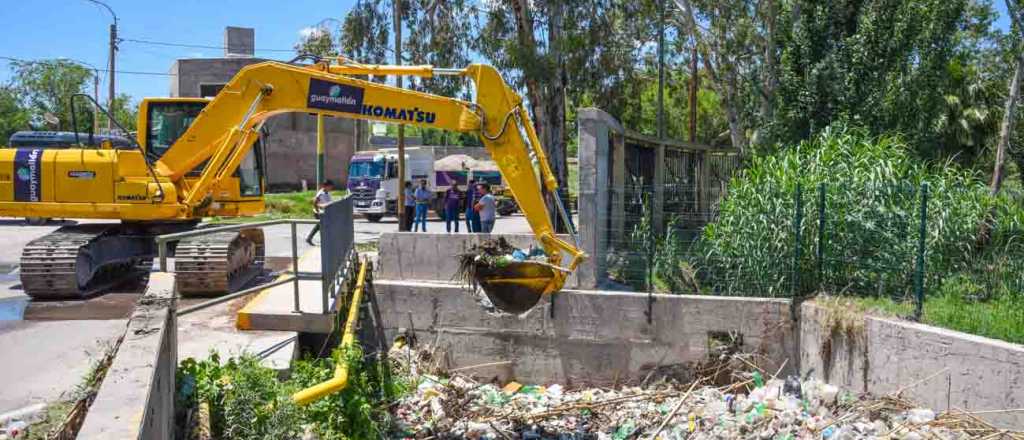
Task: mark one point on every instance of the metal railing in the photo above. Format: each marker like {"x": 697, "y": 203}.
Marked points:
{"x": 336, "y": 246}
{"x": 291, "y": 276}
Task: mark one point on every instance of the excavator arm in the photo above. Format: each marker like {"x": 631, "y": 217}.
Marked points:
{"x": 227, "y": 128}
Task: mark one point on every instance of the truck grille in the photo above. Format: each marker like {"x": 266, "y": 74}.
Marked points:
{"x": 363, "y": 194}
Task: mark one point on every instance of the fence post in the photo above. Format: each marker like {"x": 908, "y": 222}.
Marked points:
{"x": 798, "y": 219}
{"x": 820, "y": 254}
{"x": 921, "y": 243}
{"x": 650, "y": 265}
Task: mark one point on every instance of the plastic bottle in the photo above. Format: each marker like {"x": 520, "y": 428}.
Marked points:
{"x": 16, "y": 429}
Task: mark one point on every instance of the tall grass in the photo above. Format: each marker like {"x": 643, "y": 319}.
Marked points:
{"x": 871, "y": 229}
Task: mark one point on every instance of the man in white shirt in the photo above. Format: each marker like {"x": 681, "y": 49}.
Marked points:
{"x": 320, "y": 200}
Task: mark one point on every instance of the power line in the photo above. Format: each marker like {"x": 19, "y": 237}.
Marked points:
{"x": 125, "y": 72}
{"x": 194, "y": 46}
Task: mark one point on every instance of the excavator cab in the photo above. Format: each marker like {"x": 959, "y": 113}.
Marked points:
{"x": 162, "y": 121}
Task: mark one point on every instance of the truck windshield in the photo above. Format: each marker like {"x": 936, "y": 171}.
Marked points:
{"x": 366, "y": 168}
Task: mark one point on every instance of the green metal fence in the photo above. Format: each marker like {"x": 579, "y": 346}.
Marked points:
{"x": 898, "y": 246}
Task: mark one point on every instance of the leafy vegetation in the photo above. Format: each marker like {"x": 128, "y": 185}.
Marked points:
{"x": 872, "y": 219}
{"x": 298, "y": 204}
{"x": 39, "y": 98}
{"x": 248, "y": 401}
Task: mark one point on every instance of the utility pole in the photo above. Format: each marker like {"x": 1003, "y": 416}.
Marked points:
{"x": 113, "y": 64}
{"x": 96, "y": 100}
{"x": 112, "y": 55}
{"x": 661, "y": 69}
{"x": 320, "y": 139}
{"x": 401, "y": 128}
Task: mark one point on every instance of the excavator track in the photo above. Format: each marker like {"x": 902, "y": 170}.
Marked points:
{"x": 75, "y": 262}
{"x": 218, "y": 263}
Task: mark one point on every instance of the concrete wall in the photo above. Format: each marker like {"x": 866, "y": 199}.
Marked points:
{"x": 239, "y": 42}
{"x": 938, "y": 368}
{"x": 594, "y": 337}
{"x": 291, "y": 149}
{"x": 291, "y": 145}
{"x": 136, "y": 399}
{"x": 432, "y": 257}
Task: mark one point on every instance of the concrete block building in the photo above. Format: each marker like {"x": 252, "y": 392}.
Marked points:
{"x": 291, "y": 143}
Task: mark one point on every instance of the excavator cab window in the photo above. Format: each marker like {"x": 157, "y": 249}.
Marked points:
{"x": 167, "y": 121}
{"x": 250, "y": 172}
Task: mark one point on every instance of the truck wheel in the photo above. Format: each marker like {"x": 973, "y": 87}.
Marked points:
{"x": 373, "y": 218}
{"x": 36, "y": 221}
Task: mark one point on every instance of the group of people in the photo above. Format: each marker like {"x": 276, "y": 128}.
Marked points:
{"x": 477, "y": 202}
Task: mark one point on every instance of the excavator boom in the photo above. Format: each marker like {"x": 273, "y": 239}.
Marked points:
{"x": 199, "y": 174}
{"x": 223, "y": 133}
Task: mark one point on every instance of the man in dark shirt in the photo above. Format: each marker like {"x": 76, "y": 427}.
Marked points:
{"x": 472, "y": 218}
{"x": 452, "y": 203}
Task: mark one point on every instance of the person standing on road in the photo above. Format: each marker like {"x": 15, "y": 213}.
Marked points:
{"x": 320, "y": 200}
{"x": 423, "y": 196}
{"x": 486, "y": 208}
{"x": 472, "y": 219}
{"x": 452, "y": 203}
{"x": 409, "y": 199}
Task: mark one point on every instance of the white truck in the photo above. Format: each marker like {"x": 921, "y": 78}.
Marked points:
{"x": 373, "y": 179}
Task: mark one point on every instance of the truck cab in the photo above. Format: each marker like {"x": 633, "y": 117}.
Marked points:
{"x": 373, "y": 179}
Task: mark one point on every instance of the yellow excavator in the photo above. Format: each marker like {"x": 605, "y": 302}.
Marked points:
{"x": 194, "y": 158}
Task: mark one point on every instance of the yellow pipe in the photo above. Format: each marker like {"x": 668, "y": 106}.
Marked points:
{"x": 348, "y": 338}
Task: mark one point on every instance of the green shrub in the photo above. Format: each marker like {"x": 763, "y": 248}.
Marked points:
{"x": 247, "y": 401}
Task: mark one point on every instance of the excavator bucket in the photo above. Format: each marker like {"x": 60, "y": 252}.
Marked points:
{"x": 515, "y": 287}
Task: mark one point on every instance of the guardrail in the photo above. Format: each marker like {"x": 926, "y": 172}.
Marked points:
{"x": 292, "y": 276}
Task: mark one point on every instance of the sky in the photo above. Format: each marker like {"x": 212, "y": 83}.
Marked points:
{"x": 79, "y": 30}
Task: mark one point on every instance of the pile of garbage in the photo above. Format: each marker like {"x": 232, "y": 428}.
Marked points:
{"x": 494, "y": 254}
{"x": 756, "y": 406}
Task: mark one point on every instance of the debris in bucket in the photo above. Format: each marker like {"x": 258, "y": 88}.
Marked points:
{"x": 493, "y": 253}
{"x": 513, "y": 280}
{"x": 757, "y": 406}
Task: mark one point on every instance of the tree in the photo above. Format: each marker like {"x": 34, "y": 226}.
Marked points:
{"x": 46, "y": 88}
{"x": 318, "y": 41}
{"x": 125, "y": 111}
{"x": 439, "y": 34}
{"x": 365, "y": 32}
{"x": 727, "y": 35}
{"x": 1016, "y": 12}
{"x": 881, "y": 64}
{"x": 12, "y": 116}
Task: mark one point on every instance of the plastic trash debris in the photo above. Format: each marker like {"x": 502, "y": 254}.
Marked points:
{"x": 16, "y": 429}
{"x": 758, "y": 379}
{"x": 789, "y": 409}
{"x": 519, "y": 255}
{"x": 920, "y": 415}
{"x": 793, "y": 387}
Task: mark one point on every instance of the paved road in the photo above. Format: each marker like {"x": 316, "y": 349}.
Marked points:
{"x": 15, "y": 234}
{"x": 43, "y": 360}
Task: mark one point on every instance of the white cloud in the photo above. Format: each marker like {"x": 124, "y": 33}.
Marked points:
{"x": 311, "y": 31}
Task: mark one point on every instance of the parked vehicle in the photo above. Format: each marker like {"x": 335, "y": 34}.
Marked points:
{"x": 373, "y": 179}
